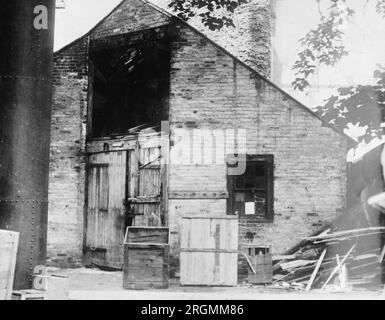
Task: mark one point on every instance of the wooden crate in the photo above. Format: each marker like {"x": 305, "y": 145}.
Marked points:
{"x": 8, "y": 252}
{"x": 262, "y": 261}
{"x": 146, "y": 263}
{"x": 55, "y": 286}
{"x": 29, "y": 295}
{"x": 209, "y": 250}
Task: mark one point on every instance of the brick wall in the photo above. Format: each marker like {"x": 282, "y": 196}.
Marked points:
{"x": 250, "y": 38}
{"x": 67, "y": 164}
{"x": 130, "y": 16}
{"x": 209, "y": 89}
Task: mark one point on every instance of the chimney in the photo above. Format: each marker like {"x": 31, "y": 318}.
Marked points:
{"x": 251, "y": 39}
{"x": 254, "y": 23}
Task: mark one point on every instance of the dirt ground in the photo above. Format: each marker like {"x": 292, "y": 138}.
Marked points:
{"x": 93, "y": 284}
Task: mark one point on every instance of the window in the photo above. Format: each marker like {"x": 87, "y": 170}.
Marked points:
{"x": 251, "y": 195}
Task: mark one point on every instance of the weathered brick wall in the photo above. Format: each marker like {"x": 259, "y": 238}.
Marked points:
{"x": 209, "y": 89}
{"x": 250, "y": 38}
{"x": 130, "y": 16}
{"x": 67, "y": 164}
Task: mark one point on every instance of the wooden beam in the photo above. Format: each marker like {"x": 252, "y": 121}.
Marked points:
{"x": 382, "y": 256}
{"x": 249, "y": 263}
{"x": 316, "y": 269}
{"x": 338, "y": 267}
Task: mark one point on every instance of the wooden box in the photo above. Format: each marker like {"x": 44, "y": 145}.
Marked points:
{"x": 209, "y": 250}
{"x": 8, "y": 252}
{"x": 262, "y": 262}
{"x": 29, "y": 295}
{"x": 54, "y": 285}
{"x": 146, "y": 258}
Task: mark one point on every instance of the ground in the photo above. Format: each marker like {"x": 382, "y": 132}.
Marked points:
{"x": 92, "y": 284}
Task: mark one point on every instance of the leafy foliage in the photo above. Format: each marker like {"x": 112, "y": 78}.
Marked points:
{"x": 380, "y": 7}
{"x": 359, "y": 105}
{"x": 322, "y": 45}
{"x": 214, "y": 14}
{"x": 356, "y": 105}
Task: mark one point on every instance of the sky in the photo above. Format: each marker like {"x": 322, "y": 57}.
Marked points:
{"x": 78, "y": 17}
{"x": 364, "y": 41}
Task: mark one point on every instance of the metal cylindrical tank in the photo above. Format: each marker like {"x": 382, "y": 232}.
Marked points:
{"x": 26, "y": 55}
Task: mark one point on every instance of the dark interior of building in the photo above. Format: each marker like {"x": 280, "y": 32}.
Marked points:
{"x": 130, "y": 88}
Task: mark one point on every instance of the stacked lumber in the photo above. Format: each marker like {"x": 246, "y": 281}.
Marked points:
{"x": 343, "y": 258}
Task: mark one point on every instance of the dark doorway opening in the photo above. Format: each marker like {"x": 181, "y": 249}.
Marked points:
{"x": 130, "y": 87}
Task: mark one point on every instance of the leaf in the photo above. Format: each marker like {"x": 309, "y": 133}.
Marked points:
{"x": 210, "y": 12}
{"x": 323, "y": 44}
{"x": 357, "y": 105}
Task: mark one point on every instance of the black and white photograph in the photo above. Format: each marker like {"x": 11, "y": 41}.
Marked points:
{"x": 211, "y": 152}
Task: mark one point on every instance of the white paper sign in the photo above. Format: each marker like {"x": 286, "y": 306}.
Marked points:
{"x": 249, "y": 208}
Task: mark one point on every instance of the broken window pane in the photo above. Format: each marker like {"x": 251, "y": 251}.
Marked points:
{"x": 251, "y": 194}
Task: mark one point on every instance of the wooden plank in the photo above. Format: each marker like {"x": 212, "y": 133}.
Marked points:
{"x": 134, "y": 171}
{"x": 199, "y": 195}
{"x": 29, "y": 295}
{"x": 208, "y": 250}
{"x": 148, "y": 245}
{"x": 154, "y": 200}
{"x": 378, "y": 201}
{"x": 338, "y": 267}
{"x": 8, "y": 249}
{"x": 356, "y": 232}
{"x": 249, "y": 263}
{"x": 123, "y": 143}
{"x": 207, "y": 217}
{"x": 284, "y": 257}
{"x": 382, "y": 255}
{"x": 316, "y": 269}
{"x": 295, "y": 264}
{"x": 147, "y": 234}
{"x": 165, "y": 167}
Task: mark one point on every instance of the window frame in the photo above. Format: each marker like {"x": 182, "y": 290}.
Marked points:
{"x": 269, "y": 215}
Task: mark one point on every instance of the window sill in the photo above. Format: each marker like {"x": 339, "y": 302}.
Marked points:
{"x": 255, "y": 220}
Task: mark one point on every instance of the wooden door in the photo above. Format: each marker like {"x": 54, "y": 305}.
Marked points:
{"x": 145, "y": 196}
{"x": 105, "y": 213}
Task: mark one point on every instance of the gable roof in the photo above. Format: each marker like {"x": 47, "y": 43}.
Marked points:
{"x": 179, "y": 20}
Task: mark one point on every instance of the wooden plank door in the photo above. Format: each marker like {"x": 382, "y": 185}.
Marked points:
{"x": 145, "y": 199}
{"x": 105, "y": 212}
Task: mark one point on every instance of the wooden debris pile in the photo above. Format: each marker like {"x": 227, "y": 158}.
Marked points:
{"x": 347, "y": 259}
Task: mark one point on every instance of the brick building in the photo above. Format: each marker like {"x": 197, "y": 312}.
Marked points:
{"x": 112, "y": 165}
